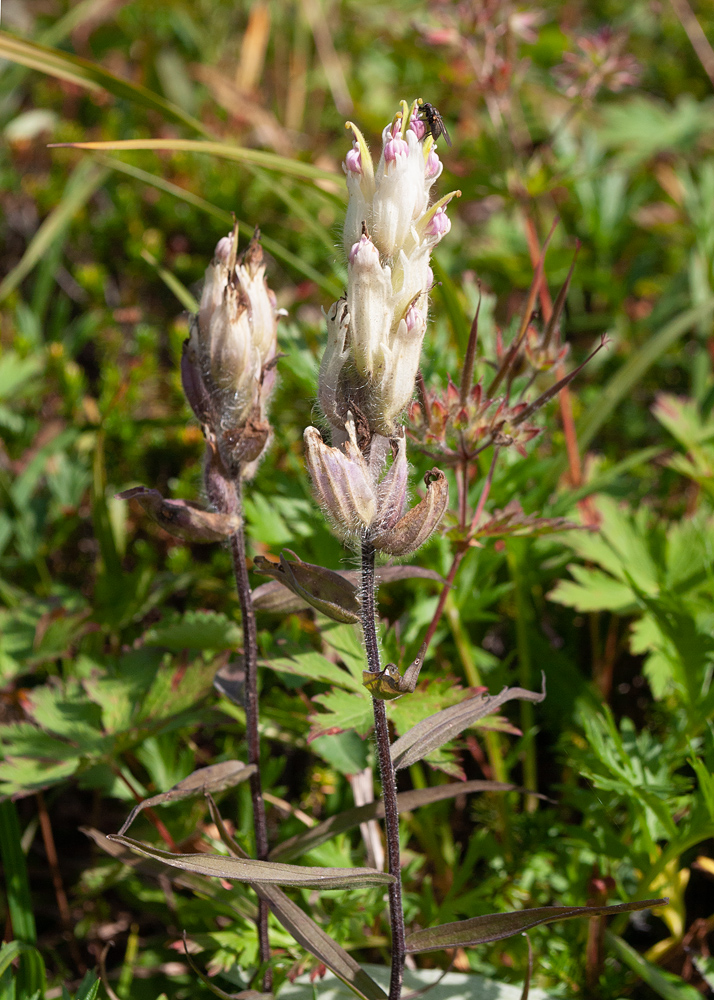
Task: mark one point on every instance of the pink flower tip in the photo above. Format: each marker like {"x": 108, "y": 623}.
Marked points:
{"x": 412, "y": 318}
{"x": 418, "y": 127}
{"x": 439, "y": 224}
{"x": 394, "y": 148}
{"x": 223, "y": 249}
{"x": 363, "y": 246}
{"x": 433, "y": 165}
{"x": 353, "y": 160}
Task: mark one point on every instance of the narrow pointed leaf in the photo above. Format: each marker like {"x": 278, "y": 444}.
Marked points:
{"x": 214, "y": 778}
{"x": 497, "y": 926}
{"x": 228, "y": 151}
{"x": 406, "y": 801}
{"x": 275, "y": 597}
{"x": 304, "y": 929}
{"x": 183, "y": 518}
{"x": 444, "y": 726}
{"x": 272, "y": 873}
{"x": 321, "y": 588}
{"x": 90, "y": 75}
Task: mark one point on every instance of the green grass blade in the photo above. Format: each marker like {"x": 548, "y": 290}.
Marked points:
{"x": 84, "y": 181}
{"x": 91, "y": 76}
{"x": 172, "y": 283}
{"x": 229, "y": 151}
{"x": 333, "y": 288}
{"x": 31, "y": 974}
{"x": 665, "y": 984}
{"x": 621, "y": 384}
{"x": 17, "y": 885}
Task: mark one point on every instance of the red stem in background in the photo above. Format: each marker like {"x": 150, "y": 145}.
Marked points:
{"x": 566, "y": 406}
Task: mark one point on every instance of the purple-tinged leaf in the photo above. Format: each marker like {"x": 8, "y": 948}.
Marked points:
{"x": 444, "y": 726}
{"x": 275, "y": 597}
{"x": 248, "y": 870}
{"x": 304, "y": 929}
{"x": 406, "y": 801}
{"x": 513, "y": 521}
{"x": 182, "y": 518}
{"x": 214, "y": 778}
{"x": 497, "y": 926}
{"x": 323, "y": 589}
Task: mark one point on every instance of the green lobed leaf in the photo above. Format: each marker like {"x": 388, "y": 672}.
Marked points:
{"x": 272, "y": 873}
{"x": 497, "y": 926}
{"x": 195, "y": 630}
{"x": 314, "y": 666}
{"x": 446, "y": 725}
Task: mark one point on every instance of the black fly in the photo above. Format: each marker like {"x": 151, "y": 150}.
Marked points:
{"x": 434, "y": 122}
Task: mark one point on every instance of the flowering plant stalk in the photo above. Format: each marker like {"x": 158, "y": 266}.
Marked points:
{"x": 228, "y": 372}
{"x": 366, "y": 385}
{"x": 367, "y": 378}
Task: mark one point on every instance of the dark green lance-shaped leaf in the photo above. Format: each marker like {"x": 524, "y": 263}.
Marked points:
{"x": 321, "y": 588}
{"x": 497, "y": 926}
{"x": 268, "y": 872}
{"x": 304, "y": 929}
{"x": 87, "y": 74}
{"x": 620, "y": 385}
{"x": 406, "y": 801}
{"x": 214, "y": 778}
{"x": 446, "y": 725}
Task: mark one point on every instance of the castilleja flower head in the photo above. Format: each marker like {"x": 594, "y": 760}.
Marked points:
{"x": 375, "y": 332}
{"x": 228, "y": 366}
{"x": 374, "y": 340}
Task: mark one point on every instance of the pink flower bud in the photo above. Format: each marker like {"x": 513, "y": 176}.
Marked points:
{"x": 395, "y": 148}
{"x": 433, "y": 165}
{"x": 413, "y": 317}
{"x": 353, "y": 160}
{"x": 223, "y": 249}
{"x": 417, "y": 126}
{"x": 365, "y": 250}
{"x": 439, "y": 224}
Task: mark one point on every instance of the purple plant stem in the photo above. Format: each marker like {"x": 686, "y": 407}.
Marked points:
{"x": 227, "y": 496}
{"x": 387, "y": 775}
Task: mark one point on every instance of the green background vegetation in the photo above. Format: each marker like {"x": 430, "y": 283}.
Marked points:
{"x": 111, "y": 631}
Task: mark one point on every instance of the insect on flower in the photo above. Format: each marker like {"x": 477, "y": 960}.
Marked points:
{"x": 434, "y": 122}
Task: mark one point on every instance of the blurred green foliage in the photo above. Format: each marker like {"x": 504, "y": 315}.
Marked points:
{"x": 111, "y": 631}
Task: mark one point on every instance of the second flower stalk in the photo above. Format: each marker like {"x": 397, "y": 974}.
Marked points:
{"x": 367, "y": 378}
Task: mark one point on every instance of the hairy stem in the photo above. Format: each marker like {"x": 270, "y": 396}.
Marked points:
{"x": 387, "y": 775}
{"x": 227, "y": 496}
